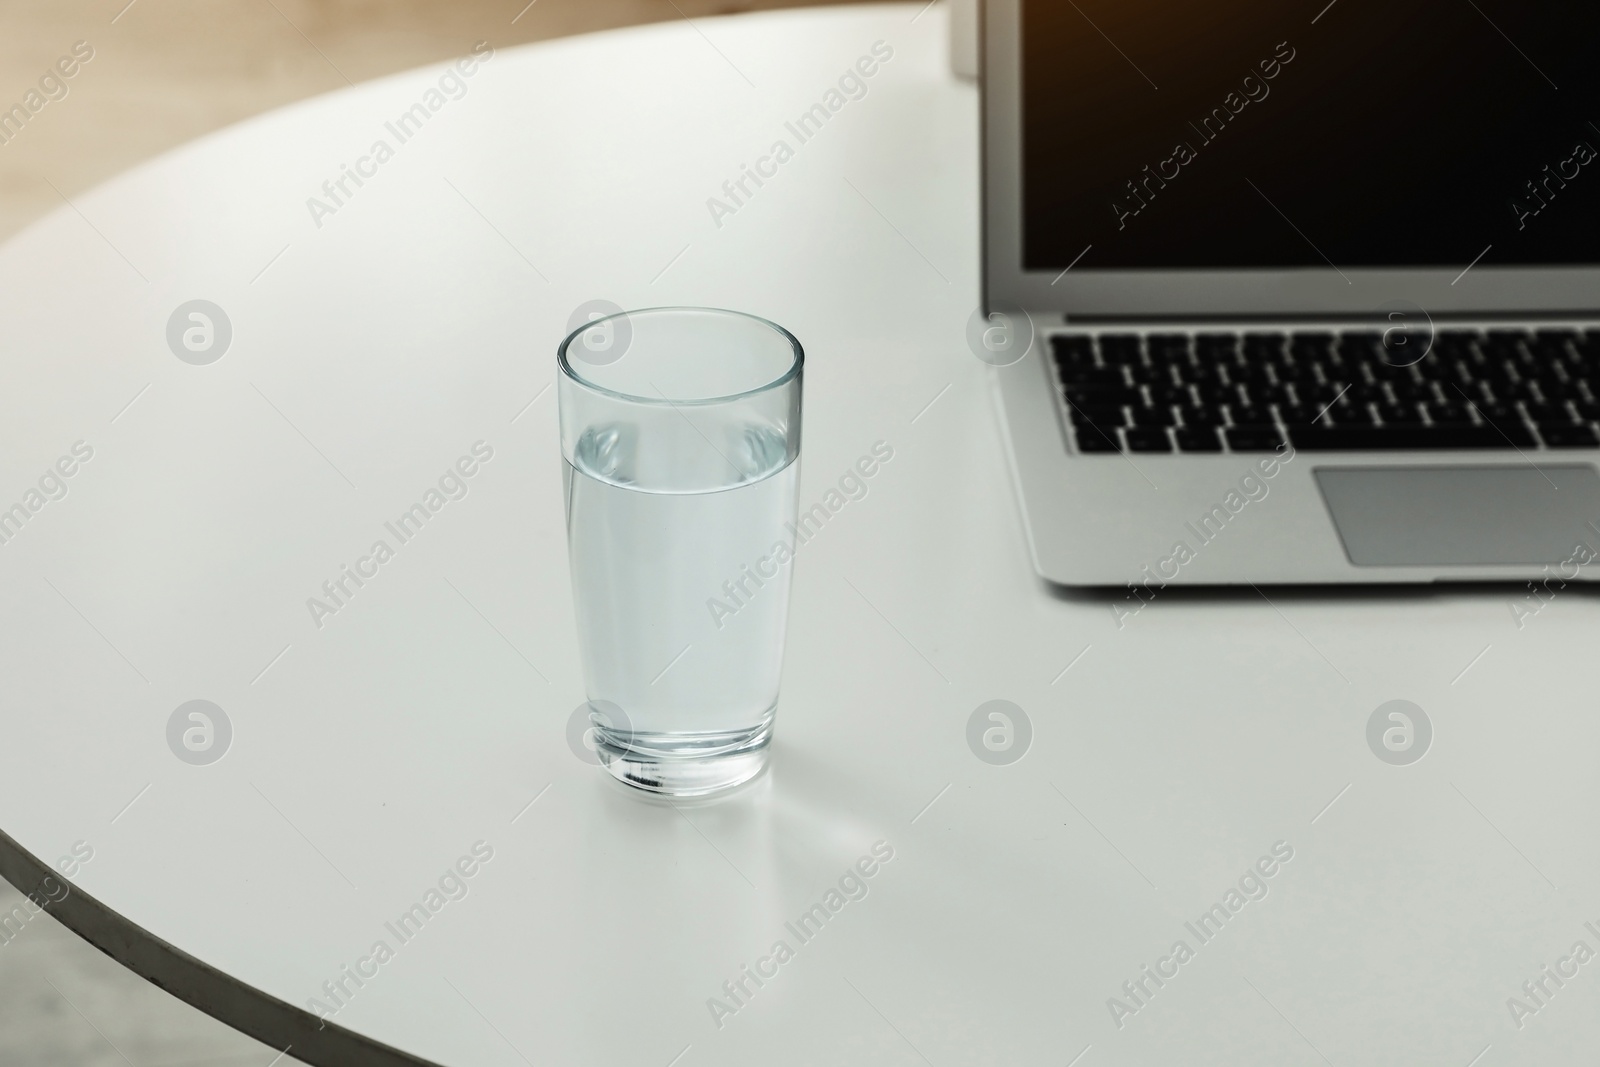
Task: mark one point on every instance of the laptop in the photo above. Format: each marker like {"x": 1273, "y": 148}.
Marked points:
{"x": 1295, "y": 293}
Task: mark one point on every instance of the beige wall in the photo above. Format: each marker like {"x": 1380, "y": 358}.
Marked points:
{"x": 166, "y": 71}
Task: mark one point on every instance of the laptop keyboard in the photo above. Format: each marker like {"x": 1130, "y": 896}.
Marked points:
{"x": 1250, "y": 391}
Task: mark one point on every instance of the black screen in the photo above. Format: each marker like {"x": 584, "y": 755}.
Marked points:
{"x": 1365, "y": 133}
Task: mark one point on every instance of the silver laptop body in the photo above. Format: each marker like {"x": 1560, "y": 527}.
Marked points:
{"x": 1462, "y": 446}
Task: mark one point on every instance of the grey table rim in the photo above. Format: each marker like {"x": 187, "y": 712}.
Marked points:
{"x": 225, "y": 998}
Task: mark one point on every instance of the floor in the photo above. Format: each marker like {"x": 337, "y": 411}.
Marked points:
{"x": 164, "y": 72}
{"x": 63, "y": 1004}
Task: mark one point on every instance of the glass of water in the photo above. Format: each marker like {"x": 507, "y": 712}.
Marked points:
{"x": 680, "y": 428}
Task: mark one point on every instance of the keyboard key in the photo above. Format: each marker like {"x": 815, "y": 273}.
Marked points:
{"x": 1505, "y": 416}
{"x": 1212, "y": 344}
{"x": 1147, "y": 439}
{"x": 1549, "y": 414}
{"x": 1249, "y": 416}
{"x": 1569, "y": 436}
{"x": 1168, "y": 347}
{"x": 1517, "y": 435}
{"x": 1551, "y": 345}
{"x": 1393, "y": 365}
{"x": 1556, "y": 387}
{"x": 1296, "y": 372}
{"x": 1252, "y": 374}
{"x": 1455, "y": 343}
{"x": 1448, "y": 412}
{"x": 1078, "y": 375}
{"x": 1170, "y": 394}
{"x": 1207, "y": 374}
{"x": 1102, "y": 396}
{"x": 1091, "y": 440}
{"x": 1408, "y": 387}
{"x": 1319, "y": 438}
{"x": 1510, "y": 390}
{"x": 1348, "y": 414}
{"x": 1506, "y": 338}
{"x": 1293, "y": 413}
{"x": 1499, "y": 348}
{"x": 1194, "y": 415}
{"x": 1399, "y": 413}
{"x": 1121, "y": 348}
{"x": 1102, "y": 417}
{"x": 1495, "y": 366}
{"x": 1359, "y": 345}
{"x": 1076, "y": 349}
{"x": 1253, "y": 438}
{"x": 1326, "y": 393}
{"x": 1259, "y": 346}
{"x": 1404, "y": 345}
{"x": 1311, "y": 345}
{"x": 1197, "y": 439}
{"x": 1153, "y": 416}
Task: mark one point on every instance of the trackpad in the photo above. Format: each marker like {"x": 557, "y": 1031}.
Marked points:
{"x": 1464, "y": 516}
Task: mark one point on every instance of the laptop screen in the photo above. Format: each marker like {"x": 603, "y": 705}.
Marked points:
{"x": 1406, "y": 133}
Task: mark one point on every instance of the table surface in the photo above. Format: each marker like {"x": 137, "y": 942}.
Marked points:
{"x": 374, "y": 748}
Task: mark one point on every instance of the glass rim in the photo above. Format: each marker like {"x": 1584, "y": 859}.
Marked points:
{"x": 793, "y": 371}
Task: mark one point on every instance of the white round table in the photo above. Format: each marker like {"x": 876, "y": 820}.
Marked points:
{"x": 395, "y": 770}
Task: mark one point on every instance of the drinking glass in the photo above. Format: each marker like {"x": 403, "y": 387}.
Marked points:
{"x": 680, "y": 432}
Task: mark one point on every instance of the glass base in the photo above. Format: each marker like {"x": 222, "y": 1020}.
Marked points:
{"x": 684, "y": 765}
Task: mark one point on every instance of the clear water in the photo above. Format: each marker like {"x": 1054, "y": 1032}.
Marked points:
{"x": 647, "y": 567}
